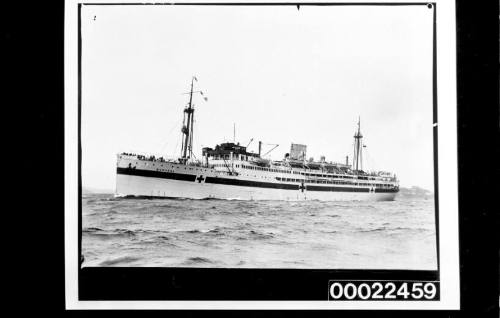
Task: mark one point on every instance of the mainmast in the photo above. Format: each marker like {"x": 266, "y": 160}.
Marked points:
{"x": 358, "y": 149}
{"x": 187, "y": 128}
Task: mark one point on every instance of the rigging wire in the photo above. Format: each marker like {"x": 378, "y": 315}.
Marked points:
{"x": 195, "y": 132}
{"x": 372, "y": 163}
{"x": 177, "y": 143}
{"x": 167, "y": 138}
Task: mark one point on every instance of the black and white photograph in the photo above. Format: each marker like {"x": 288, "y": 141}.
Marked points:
{"x": 245, "y": 136}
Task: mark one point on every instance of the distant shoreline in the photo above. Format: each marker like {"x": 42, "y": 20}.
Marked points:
{"x": 411, "y": 192}
{"x": 86, "y": 190}
{"x": 415, "y": 192}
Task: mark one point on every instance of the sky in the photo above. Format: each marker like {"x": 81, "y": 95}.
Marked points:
{"x": 279, "y": 74}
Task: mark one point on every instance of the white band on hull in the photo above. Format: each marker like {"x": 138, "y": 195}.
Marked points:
{"x": 130, "y": 185}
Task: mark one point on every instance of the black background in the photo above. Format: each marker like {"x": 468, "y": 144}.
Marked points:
{"x": 33, "y": 131}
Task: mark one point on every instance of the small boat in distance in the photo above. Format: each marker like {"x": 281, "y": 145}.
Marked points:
{"x": 229, "y": 171}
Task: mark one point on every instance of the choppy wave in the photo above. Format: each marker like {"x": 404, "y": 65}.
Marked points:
{"x": 198, "y": 260}
{"x": 91, "y": 229}
{"x": 275, "y": 234}
{"x": 119, "y": 260}
{"x": 108, "y": 233}
{"x": 395, "y": 230}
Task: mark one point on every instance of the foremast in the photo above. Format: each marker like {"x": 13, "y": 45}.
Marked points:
{"x": 188, "y": 125}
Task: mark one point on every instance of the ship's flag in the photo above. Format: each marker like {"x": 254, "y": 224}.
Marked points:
{"x": 195, "y": 78}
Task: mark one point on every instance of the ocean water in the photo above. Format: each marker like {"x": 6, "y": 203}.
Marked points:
{"x": 258, "y": 234}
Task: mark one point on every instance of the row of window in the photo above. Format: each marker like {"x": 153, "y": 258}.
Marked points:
{"x": 333, "y": 182}
{"x": 296, "y": 172}
{"x": 253, "y": 168}
{"x": 264, "y": 169}
{"x": 228, "y": 157}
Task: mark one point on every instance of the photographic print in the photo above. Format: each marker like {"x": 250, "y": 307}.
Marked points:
{"x": 254, "y": 137}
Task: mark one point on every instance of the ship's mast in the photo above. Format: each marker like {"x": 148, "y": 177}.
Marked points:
{"x": 358, "y": 149}
{"x": 187, "y": 128}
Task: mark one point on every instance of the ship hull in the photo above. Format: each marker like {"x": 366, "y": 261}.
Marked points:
{"x": 147, "y": 186}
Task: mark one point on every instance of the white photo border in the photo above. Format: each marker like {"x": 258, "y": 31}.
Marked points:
{"x": 448, "y": 244}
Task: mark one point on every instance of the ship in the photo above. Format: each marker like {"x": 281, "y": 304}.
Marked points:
{"x": 229, "y": 171}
